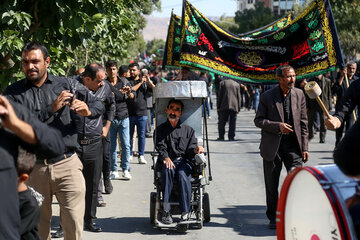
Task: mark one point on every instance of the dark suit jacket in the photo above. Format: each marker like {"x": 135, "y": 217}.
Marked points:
{"x": 269, "y": 116}
{"x": 229, "y": 96}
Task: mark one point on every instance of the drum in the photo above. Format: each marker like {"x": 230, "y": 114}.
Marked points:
{"x": 314, "y": 204}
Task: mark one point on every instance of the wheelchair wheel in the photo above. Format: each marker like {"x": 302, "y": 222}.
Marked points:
{"x": 206, "y": 207}
{"x": 152, "y": 206}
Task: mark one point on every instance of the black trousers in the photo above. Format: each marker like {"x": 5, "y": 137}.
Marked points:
{"x": 91, "y": 156}
{"x": 347, "y": 123}
{"x": 224, "y": 116}
{"x": 106, "y": 157}
{"x": 9, "y": 205}
{"x": 272, "y": 170}
{"x": 311, "y": 119}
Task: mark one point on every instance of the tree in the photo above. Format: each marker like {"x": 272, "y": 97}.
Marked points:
{"x": 346, "y": 13}
{"x": 71, "y": 30}
{"x": 154, "y": 45}
{"x": 252, "y": 19}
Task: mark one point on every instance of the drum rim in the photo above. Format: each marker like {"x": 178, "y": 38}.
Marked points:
{"x": 333, "y": 199}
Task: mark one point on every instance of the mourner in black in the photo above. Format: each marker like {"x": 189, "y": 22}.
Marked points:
{"x": 176, "y": 145}
{"x": 19, "y": 128}
{"x": 55, "y": 101}
{"x": 91, "y": 132}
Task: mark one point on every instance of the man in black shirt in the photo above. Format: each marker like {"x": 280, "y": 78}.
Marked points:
{"x": 284, "y": 134}
{"x": 19, "y": 128}
{"x": 177, "y": 146}
{"x": 91, "y": 133}
{"x": 52, "y": 100}
{"x": 138, "y": 108}
{"x": 339, "y": 89}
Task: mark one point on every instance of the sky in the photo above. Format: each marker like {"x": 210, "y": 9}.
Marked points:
{"x": 210, "y": 8}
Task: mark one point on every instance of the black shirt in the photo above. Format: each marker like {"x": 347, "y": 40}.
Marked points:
{"x": 350, "y": 100}
{"x": 121, "y": 99}
{"x": 50, "y": 142}
{"x": 30, "y": 215}
{"x": 288, "y": 143}
{"x": 89, "y": 128}
{"x": 138, "y": 107}
{"x": 175, "y": 142}
{"x": 39, "y": 99}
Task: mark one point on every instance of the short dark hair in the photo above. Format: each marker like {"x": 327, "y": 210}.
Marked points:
{"x": 134, "y": 64}
{"x": 110, "y": 64}
{"x": 123, "y": 69}
{"x": 34, "y": 46}
{"x": 25, "y": 162}
{"x": 173, "y": 100}
{"x": 280, "y": 70}
{"x": 91, "y": 70}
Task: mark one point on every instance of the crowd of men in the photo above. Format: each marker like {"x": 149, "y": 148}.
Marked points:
{"x": 74, "y": 125}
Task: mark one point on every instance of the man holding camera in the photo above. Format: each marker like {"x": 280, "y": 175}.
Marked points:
{"x": 51, "y": 99}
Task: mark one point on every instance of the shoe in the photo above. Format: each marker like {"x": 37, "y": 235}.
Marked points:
{"x": 167, "y": 219}
{"x": 114, "y": 175}
{"x": 231, "y": 139}
{"x": 142, "y": 159}
{"x": 92, "y": 227}
{"x": 126, "y": 175}
{"x": 58, "y": 234}
{"x": 148, "y": 135}
{"x": 108, "y": 186}
{"x": 184, "y": 217}
{"x": 322, "y": 141}
{"x": 101, "y": 204}
{"x": 220, "y": 139}
{"x": 272, "y": 224}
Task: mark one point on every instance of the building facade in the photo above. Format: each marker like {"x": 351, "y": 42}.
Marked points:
{"x": 277, "y": 6}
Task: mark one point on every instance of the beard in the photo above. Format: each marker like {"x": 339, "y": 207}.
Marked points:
{"x": 34, "y": 77}
{"x": 173, "y": 117}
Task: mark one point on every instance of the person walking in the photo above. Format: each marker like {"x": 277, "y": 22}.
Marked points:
{"x": 138, "y": 108}
{"x": 123, "y": 93}
{"x": 51, "y": 99}
{"x": 91, "y": 135}
{"x": 339, "y": 89}
{"x": 284, "y": 134}
{"x": 314, "y": 107}
{"x": 228, "y": 106}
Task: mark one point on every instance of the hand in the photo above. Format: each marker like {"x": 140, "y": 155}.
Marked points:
{"x": 126, "y": 90}
{"x": 7, "y": 114}
{"x": 80, "y": 107}
{"x": 199, "y": 149}
{"x": 285, "y": 128}
{"x": 332, "y": 123}
{"x": 168, "y": 163}
{"x": 62, "y": 100}
{"x": 105, "y": 131}
{"x": 305, "y": 156}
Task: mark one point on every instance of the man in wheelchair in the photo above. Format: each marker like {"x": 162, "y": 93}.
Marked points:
{"x": 177, "y": 146}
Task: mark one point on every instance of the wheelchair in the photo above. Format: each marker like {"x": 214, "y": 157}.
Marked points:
{"x": 193, "y": 95}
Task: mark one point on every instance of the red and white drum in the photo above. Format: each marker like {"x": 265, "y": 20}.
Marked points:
{"x": 313, "y": 204}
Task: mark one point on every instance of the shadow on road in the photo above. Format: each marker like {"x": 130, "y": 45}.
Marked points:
{"x": 247, "y": 220}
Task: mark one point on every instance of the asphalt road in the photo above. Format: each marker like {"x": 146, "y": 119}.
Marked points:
{"x": 237, "y": 194}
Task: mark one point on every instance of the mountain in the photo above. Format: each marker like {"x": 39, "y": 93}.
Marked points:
{"x": 156, "y": 28}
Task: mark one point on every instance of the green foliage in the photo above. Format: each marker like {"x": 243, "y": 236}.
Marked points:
{"x": 346, "y": 14}
{"x": 251, "y": 19}
{"x": 75, "y": 32}
{"x": 154, "y": 45}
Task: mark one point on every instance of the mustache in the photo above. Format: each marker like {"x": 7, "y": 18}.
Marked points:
{"x": 32, "y": 70}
